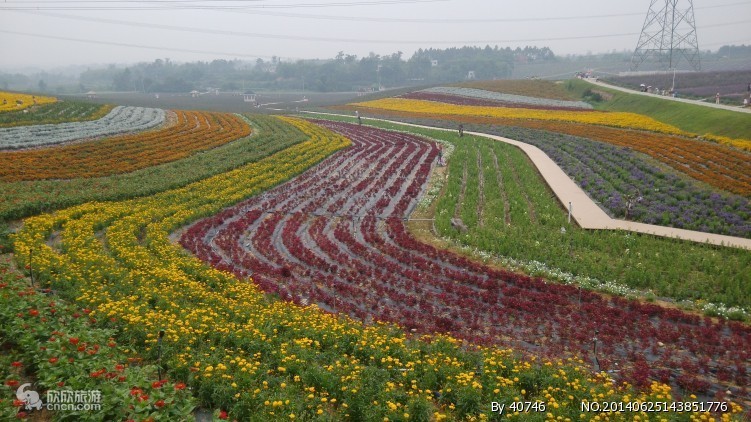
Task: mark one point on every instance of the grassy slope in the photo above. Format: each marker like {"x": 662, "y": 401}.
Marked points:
{"x": 692, "y": 118}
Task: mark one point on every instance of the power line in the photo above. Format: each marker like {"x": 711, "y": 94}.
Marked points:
{"x": 149, "y": 47}
{"x": 186, "y": 5}
{"x": 443, "y": 21}
{"x": 335, "y": 39}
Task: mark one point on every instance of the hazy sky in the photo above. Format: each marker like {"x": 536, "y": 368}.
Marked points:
{"x": 52, "y": 33}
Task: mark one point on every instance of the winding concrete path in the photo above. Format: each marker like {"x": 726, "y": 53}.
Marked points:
{"x": 584, "y": 211}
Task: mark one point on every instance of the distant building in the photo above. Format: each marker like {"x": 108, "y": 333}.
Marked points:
{"x": 471, "y": 75}
{"x": 249, "y": 97}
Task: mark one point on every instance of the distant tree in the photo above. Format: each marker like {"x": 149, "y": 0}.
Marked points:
{"x": 123, "y": 81}
{"x": 42, "y": 85}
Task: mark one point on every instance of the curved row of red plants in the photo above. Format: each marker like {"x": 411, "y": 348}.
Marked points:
{"x": 335, "y": 236}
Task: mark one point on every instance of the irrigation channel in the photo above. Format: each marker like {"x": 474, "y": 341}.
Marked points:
{"x": 335, "y": 237}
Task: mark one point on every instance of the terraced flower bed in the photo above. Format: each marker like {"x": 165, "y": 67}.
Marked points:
{"x": 507, "y": 100}
{"x": 254, "y": 357}
{"x": 336, "y": 238}
{"x": 523, "y": 229}
{"x": 120, "y": 120}
{"x": 32, "y": 197}
{"x": 529, "y": 88}
{"x": 720, "y": 166}
{"x": 193, "y": 132}
{"x": 628, "y": 186}
{"x": 589, "y": 118}
{"x": 57, "y": 112}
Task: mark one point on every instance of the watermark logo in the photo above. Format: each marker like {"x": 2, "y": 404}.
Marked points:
{"x": 65, "y": 400}
{"x": 76, "y": 400}
{"x": 29, "y": 397}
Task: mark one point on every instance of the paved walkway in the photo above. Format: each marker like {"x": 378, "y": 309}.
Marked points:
{"x": 584, "y": 211}
{"x": 737, "y": 108}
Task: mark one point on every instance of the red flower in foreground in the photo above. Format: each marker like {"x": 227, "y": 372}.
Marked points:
{"x": 180, "y": 386}
{"x": 159, "y": 404}
{"x": 33, "y": 312}
{"x": 74, "y": 340}
{"x": 53, "y": 360}
{"x": 16, "y": 364}
{"x": 223, "y": 414}
{"x": 12, "y": 383}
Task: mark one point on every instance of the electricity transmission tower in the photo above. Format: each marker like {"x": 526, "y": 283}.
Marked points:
{"x": 668, "y": 35}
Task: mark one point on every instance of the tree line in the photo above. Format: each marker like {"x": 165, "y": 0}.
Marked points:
{"x": 344, "y": 72}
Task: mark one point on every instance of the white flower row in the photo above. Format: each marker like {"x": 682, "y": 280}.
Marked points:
{"x": 539, "y": 269}
{"x": 509, "y": 98}
{"x": 120, "y": 120}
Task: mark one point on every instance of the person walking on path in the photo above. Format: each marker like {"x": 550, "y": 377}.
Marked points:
{"x": 461, "y": 130}
{"x": 717, "y": 98}
{"x": 359, "y": 120}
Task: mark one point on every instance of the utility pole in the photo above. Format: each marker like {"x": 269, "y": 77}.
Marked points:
{"x": 668, "y": 35}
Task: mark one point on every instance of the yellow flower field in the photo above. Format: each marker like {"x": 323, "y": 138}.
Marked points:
{"x": 9, "y": 101}
{"x": 616, "y": 119}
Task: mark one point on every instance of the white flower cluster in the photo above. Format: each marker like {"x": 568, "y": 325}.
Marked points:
{"x": 509, "y": 98}
{"x": 120, "y": 120}
{"x": 720, "y": 309}
{"x": 539, "y": 269}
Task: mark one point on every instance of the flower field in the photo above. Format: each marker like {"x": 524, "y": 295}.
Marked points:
{"x": 256, "y": 357}
{"x": 509, "y": 100}
{"x": 629, "y": 187}
{"x": 193, "y": 131}
{"x": 614, "y": 175}
{"x": 615, "y": 119}
{"x": 16, "y": 101}
{"x": 528, "y": 88}
{"x": 119, "y": 120}
{"x": 26, "y": 198}
{"x": 344, "y": 247}
{"x": 717, "y": 165}
{"x": 61, "y": 342}
{"x": 52, "y": 113}
{"x": 611, "y": 261}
